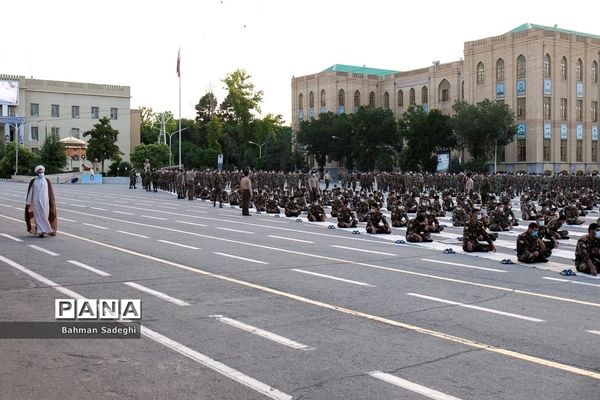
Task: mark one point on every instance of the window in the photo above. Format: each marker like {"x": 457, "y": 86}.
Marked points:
{"x": 75, "y": 132}
{"x": 480, "y": 73}
{"x": 34, "y": 109}
{"x": 595, "y": 152}
{"x": 300, "y": 101}
{"x": 311, "y": 100}
{"x": 400, "y": 98}
{"x": 95, "y": 113}
{"x": 521, "y": 108}
{"x": 55, "y": 110}
{"x": 444, "y": 90}
{"x": 563, "y": 68}
{"x": 521, "y": 67}
{"x": 500, "y": 70}
{"x": 579, "y": 151}
{"x": 579, "y": 70}
{"x": 563, "y": 109}
{"x": 12, "y": 111}
{"x": 323, "y": 98}
{"x": 114, "y": 113}
{"x": 546, "y": 150}
{"x": 411, "y": 97}
{"x": 341, "y": 98}
{"x": 547, "y": 66}
{"x": 594, "y": 72}
{"x": 356, "y": 99}
{"x": 547, "y": 108}
{"x": 372, "y": 99}
{"x": 445, "y": 95}
{"x": 521, "y": 150}
{"x": 502, "y": 154}
{"x": 579, "y": 110}
{"x": 386, "y": 101}
{"x": 35, "y": 133}
{"x": 594, "y": 111}
{"x": 74, "y": 111}
{"x": 563, "y": 150}
{"x": 55, "y": 131}
{"x": 424, "y": 95}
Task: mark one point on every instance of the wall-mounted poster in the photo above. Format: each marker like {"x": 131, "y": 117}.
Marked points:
{"x": 521, "y": 131}
{"x": 521, "y": 87}
{"x": 579, "y": 89}
{"x": 579, "y": 132}
{"x": 595, "y": 133}
{"x": 564, "y": 131}
{"x": 500, "y": 90}
{"x": 547, "y": 87}
{"x": 547, "y": 130}
{"x": 341, "y": 109}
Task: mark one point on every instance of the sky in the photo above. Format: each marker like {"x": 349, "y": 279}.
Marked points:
{"x": 135, "y": 43}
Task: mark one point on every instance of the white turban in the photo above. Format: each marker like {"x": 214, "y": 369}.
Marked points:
{"x": 39, "y": 168}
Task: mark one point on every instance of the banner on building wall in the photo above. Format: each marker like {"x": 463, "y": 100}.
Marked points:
{"x": 521, "y": 87}
{"x": 341, "y": 109}
{"x": 595, "y": 133}
{"x": 579, "y": 89}
{"x": 323, "y": 110}
{"x": 579, "y": 132}
{"x": 547, "y": 87}
{"x": 9, "y": 92}
{"x": 301, "y": 115}
{"x": 564, "y": 131}
{"x": 311, "y": 113}
{"x": 500, "y": 90}
{"x": 547, "y": 130}
{"x": 426, "y": 108}
{"x": 521, "y": 131}
{"x": 443, "y": 161}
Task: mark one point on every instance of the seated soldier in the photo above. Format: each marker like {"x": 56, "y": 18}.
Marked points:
{"x": 376, "y": 222}
{"x": 554, "y": 224}
{"x": 528, "y": 211}
{"x": 316, "y": 212}
{"x": 572, "y": 213}
{"x": 459, "y": 215}
{"x": 271, "y": 206}
{"x": 411, "y": 204}
{"x": 510, "y": 214}
{"x": 362, "y": 210}
{"x": 292, "y": 209}
{"x": 399, "y": 216}
{"x": 235, "y": 197}
{"x": 499, "y": 220}
{"x": 545, "y": 235}
{"x": 587, "y": 252}
{"x": 260, "y": 201}
{"x": 447, "y": 202}
{"x": 336, "y": 205}
{"x": 530, "y": 248}
{"x": 416, "y": 230}
{"x": 473, "y": 232}
{"x": 345, "y": 217}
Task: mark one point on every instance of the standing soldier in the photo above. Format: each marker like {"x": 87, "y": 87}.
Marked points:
{"x": 218, "y": 189}
{"x": 189, "y": 184}
{"x": 246, "y": 187}
{"x": 132, "y": 179}
{"x": 327, "y": 179}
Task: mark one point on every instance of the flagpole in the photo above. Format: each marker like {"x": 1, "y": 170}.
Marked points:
{"x": 179, "y": 76}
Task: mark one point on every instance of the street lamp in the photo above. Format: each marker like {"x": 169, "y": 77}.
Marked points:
{"x": 259, "y": 147}
{"x": 171, "y": 153}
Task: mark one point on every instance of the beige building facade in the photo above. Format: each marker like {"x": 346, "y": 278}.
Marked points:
{"x": 547, "y": 76}
{"x": 66, "y": 109}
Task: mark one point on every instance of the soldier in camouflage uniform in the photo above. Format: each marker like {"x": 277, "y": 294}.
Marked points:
{"x": 292, "y": 209}
{"x": 377, "y": 223}
{"x": 260, "y": 201}
{"x": 554, "y": 224}
{"x": 416, "y": 230}
{"x": 345, "y": 216}
{"x": 316, "y": 213}
{"x": 271, "y": 206}
{"x": 362, "y": 210}
{"x": 587, "y": 252}
{"x": 459, "y": 216}
{"x": 499, "y": 220}
{"x": 530, "y": 248}
{"x": 399, "y": 216}
{"x": 218, "y": 184}
{"x": 572, "y": 213}
{"x": 474, "y": 232}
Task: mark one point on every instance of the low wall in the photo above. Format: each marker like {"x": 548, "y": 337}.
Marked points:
{"x": 66, "y": 178}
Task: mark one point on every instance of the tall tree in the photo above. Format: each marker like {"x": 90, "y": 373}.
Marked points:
{"x": 214, "y": 132}
{"x": 206, "y": 107}
{"x": 375, "y": 134}
{"x": 103, "y": 142}
{"x": 27, "y": 160}
{"x": 148, "y": 120}
{"x": 52, "y": 154}
{"x": 157, "y": 153}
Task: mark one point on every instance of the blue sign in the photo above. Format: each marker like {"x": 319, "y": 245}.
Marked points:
{"x": 311, "y": 113}
{"x": 500, "y": 90}
{"x": 547, "y": 130}
{"x": 323, "y": 110}
{"x": 521, "y": 131}
{"x": 579, "y": 132}
{"x": 521, "y": 87}
{"x": 341, "y": 109}
{"x": 595, "y": 133}
{"x": 564, "y": 131}
{"x": 579, "y": 89}
{"x": 301, "y": 115}
{"x": 426, "y": 108}
{"x": 91, "y": 179}
{"x": 547, "y": 87}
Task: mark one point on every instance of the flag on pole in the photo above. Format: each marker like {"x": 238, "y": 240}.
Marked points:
{"x": 178, "y": 63}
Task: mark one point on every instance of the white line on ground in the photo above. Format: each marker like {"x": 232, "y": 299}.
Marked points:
{"x": 363, "y": 250}
{"x": 5, "y": 205}
{"x": 568, "y": 281}
{"x": 168, "y": 207}
{"x": 76, "y": 205}
{"x": 133, "y": 234}
{"x": 332, "y": 277}
{"x": 11, "y": 237}
{"x": 292, "y": 239}
{"x": 240, "y": 258}
{"x": 98, "y": 208}
{"x": 18, "y": 208}
{"x": 262, "y": 333}
{"x": 152, "y": 217}
{"x": 84, "y": 266}
{"x": 454, "y": 303}
{"x": 595, "y": 332}
{"x": 463, "y": 265}
{"x": 191, "y": 223}
{"x": 158, "y": 294}
{"x": 235, "y": 230}
{"x": 50, "y": 253}
{"x": 413, "y": 387}
{"x": 95, "y": 226}
{"x": 123, "y": 212}
{"x": 229, "y": 216}
{"x": 66, "y": 219}
{"x": 179, "y": 244}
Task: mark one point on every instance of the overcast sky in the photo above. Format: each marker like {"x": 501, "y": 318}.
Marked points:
{"x": 134, "y": 43}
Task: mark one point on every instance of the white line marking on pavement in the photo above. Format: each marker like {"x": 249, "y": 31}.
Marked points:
{"x": 240, "y": 258}
{"x": 157, "y": 294}
{"x": 76, "y": 205}
{"x": 228, "y": 216}
{"x": 171, "y": 344}
{"x": 262, "y": 333}
{"x": 191, "y": 223}
{"x": 94, "y": 270}
{"x": 179, "y": 244}
{"x": 152, "y": 217}
{"x": 95, "y": 226}
{"x": 463, "y": 265}
{"x": 11, "y": 237}
{"x": 363, "y": 250}
{"x": 568, "y": 281}
{"x": 595, "y": 332}
{"x": 50, "y": 253}
{"x": 123, "y": 212}
{"x": 18, "y": 208}
{"x": 235, "y": 230}
{"x": 413, "y": 387}
{"x": 168, "y": 207}
{"x": 98, "y": 208}
{"x": 5, "y": 205}
{"x": 454, "y": 303}
{"x": 292, "y": 239}
{"x": 134, "y": 234}
{"x": 66, "y": 219}
{"x": 332, "y": 277}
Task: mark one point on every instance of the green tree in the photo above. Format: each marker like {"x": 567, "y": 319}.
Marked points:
{"x": 27, "y": 160}
{"x": 206, "y": 108}
{"x": 482, "y": 127}
{"x": 374, "y": 133}
{"x": 316, "y": 136}
{"x": 214, "y": 133}
{"x": 148, "y": 131}
{"x": 52, "y": 155}
{"x": 157, "y": 153}
{"x": 102, "y": 143}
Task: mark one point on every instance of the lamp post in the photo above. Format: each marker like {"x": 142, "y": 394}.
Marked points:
{"x": 259, "y": 147}
{"x": 170, "y": 152}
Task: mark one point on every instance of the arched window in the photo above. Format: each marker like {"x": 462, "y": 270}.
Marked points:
{"x": 356, "y": 99}
{"x": 594, "y": 72}
{"x": 400, "y": 98}
{"x": 311, "y": 100}
{"x": 462, "y": 90}
{"x": 323, "y": 98}
{"x": 500, "y": 70}
{"x": 386, "y": 101}
{"x": 547, "y": 66}
{"x": 579, "y": 70}
{"x": 521, "y": 67}
{"x": 444, "y": 90}
{"x": 300, "y": 101}
{"x": 424, "y": 95}
{"x": 341, "y": 98}
{"x": 563, "y": 68}
{"x": 372, "y": 99}
{"x": 411, "y": 97}
{"x": 480, "y": 73}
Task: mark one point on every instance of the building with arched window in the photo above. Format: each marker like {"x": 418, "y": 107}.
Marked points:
{"x": 556, "y": 110}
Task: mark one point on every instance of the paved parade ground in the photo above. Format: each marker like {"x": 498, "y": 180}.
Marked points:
{"x": 262, "y": 307}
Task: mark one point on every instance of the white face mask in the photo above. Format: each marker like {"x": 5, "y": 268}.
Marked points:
{"x": 541, "y": 223}
{"x": 40, "y": 175}
{"x": 478, "y": 217}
